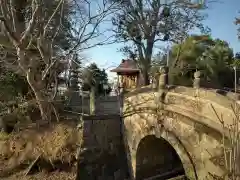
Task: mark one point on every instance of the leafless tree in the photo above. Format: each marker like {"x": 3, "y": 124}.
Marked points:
{"x": 31, "y": 31}
{"x": 230, "y": 144}
{"x": 237, "y": 22}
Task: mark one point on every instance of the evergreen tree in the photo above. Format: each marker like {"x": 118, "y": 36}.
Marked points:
{"x": 93, "y": 76}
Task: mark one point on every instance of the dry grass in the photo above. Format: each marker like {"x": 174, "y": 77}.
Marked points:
{"x": 43, "y": 176}
{"x": 58, "y": 142}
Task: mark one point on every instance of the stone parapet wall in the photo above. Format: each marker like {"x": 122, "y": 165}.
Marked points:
{"x": 187, "y": 118}
{"x": 104, "y": 105}
{"x": 102, "y": 132}
{"x": 104, "y": 155}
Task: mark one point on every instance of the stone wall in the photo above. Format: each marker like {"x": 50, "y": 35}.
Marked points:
{"x": 104, "y": 157}
{"x": 197, "y": 146}
{"x": 102, "y": 132}
{"x": 187, "y": 119}
{"x": 104, "y": 105}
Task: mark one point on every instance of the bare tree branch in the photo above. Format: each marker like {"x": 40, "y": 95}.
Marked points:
{"x": 51, "y": 18}
{"x": 31, "y": 24}
{"x": 8, "y": 31}
{"x": 91, "y": 21}
{"x": 34, "y": 29}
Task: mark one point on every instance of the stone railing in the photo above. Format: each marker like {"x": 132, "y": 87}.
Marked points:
{"x": 102, "y": 105}
{"x": 162, "y": 85}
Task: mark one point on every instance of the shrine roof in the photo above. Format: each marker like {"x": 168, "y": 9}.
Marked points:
{"x": 126, "y": 66}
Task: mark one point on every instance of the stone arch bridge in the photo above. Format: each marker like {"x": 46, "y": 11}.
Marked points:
{"x": 167, "y": 131}
{"x": 176, "y": 131}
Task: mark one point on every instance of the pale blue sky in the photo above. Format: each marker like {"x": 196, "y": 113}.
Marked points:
{"x": 220, "y": 19}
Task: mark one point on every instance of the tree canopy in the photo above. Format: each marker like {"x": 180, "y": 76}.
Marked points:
{"x": 94, "y": 77}
{"x": 213, "y": 57}
{"x": 237, "y": 22}
{"x": 144, "y": 23}
{"x": 12, "y": 85}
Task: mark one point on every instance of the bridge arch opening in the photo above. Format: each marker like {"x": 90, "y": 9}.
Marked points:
{"x": 156, "y": 159}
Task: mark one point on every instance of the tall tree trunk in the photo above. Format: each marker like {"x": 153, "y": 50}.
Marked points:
{"x": 148, "y": 60}
{"x": 36, "y": 84}
{"x": 146, "y": 66}
{"x": 146, "y": 79}
{"x": 42, "y": 100}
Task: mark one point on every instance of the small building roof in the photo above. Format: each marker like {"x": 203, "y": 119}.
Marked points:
{"x": 127, "y": 66}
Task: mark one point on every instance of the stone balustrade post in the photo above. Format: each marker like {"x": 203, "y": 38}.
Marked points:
{"x": 162, "y": 84}
{"x": 155, "y": 80}
{"x": 163, "y": 78}
{"x": 120, "y": 100}
{"x": 92, "y": 101}
{"x": 197, "y": 79}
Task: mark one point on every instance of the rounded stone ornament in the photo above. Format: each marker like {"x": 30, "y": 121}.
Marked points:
{"x": 164, "y": 70}
{"x": 197, "y": 74}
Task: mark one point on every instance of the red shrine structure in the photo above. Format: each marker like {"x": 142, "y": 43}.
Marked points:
{"x": 128, "y": 74}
